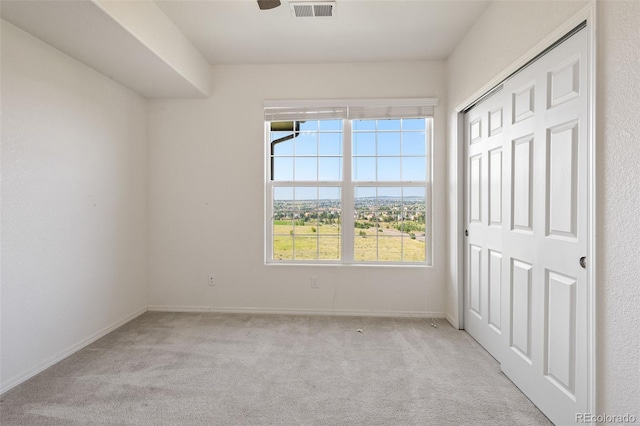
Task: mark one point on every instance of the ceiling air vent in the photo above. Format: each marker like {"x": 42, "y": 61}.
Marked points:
{"x": 310, "y": 9}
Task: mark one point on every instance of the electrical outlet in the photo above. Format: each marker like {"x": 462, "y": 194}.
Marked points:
{"x": 211, "y": 281}
{"x": 314, "y": 282}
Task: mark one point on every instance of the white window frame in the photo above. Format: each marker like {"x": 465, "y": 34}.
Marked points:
{"x": 361, "y": 109}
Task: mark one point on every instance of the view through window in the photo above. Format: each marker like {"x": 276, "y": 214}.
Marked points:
{"x": 349, "y": 191}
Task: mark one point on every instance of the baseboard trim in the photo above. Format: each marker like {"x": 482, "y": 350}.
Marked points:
{"x": 281, "y": 311}
{"x": 12, "y": 383}
{"x": 453, "y": 322}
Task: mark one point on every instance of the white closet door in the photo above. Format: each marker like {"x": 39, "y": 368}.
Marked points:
{"x": 543, "y": 230}
{"x": 484, "y": 218}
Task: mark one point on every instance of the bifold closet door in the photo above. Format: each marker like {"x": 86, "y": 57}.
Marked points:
{"x": 537, "y": 174}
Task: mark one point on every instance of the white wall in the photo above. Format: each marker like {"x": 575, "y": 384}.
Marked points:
{"x": 74, "y": 204}
{"x": 207, "y": 196}
{"x": 506, "y": 31}
{"x": 618, "y": 232}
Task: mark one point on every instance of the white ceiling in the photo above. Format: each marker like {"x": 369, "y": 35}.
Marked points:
{"x": 84, "y": 31}
{"x": 163, "y": 48}
{"x": 238, "y": 32}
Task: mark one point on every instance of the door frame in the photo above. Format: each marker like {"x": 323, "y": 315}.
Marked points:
{"x": 587, "y": 14}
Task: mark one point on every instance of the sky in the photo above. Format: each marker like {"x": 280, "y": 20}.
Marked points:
{"x": 382, "y": 150}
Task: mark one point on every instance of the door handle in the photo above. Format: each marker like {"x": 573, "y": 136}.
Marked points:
{"x": 583, "y": 262}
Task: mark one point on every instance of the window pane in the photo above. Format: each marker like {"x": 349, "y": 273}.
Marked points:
{"x": 416, "y": 194}
{"x": 306, "y": 209}
{"x": 283, "y": 223}
{"x": 304, "y": 222}
{"x": 330, "y": 168}
{"x": 328, "y": 225}
{"x": 280, "y": 135}
{"x": 329, "y": 207}
{"x": 305, "y": 248}
{"x": 389, "y": 143}
{"x": 282, "y": 193}
{"x": 392, "y": 193}
{"x": 307, "y": 144}
{"x": 330, "y": 124}
{"x": 284, "y": 206}
{"x": 364, "y": 124}
{"x": 418, "y": 216}
{"x": 306, "y": 168}
{"x": 413, "y": 124}
{"x": 388, "y": 168}
{"x": 365, "y": 248}
{"x": 387, "y": 219}
{"x": 413, "y": 143}
{"x": 414, "y": 210}
{"x": 283, "y": 168}
{"x": 311, "y": 225}
{"x": 330, "y": 144}
{"x": 365, "y": 223}
{"x": 365, "y": 199}
{"x": 283, "y": 248}
{"x": 390, "y": 249}
{"x": 283, "y": 148}
{"x": 364, "y": 144}
{"x": 389, "y": 124}
{"x": 365, "y": 192}
{"x": 389, "y": 206}
{"x": 308, "y": 125}
{"x": 329, "y": 248}
{"x": 364, "y": 169}
{"x": 329, "y": 194}
{"x": 414, "y": 248}
{"x": 306, "y": 196}
{"x": 414, "y": 169}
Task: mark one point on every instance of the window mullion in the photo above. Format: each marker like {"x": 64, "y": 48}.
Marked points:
{"x": 347, "y": 195}
{"x": 428, "y": 214}
{"x": 269, "y": 221}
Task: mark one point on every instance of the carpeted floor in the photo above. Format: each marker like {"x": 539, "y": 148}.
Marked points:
{"x": 237, "y": 369}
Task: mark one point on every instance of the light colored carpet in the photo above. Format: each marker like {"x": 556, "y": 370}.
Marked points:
{"x": 236, "y": 369}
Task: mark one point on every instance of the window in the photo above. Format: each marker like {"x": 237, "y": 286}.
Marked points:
{"x": 346, "y": 186}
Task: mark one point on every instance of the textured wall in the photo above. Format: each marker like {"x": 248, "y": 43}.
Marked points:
{"x": 74, "y": 204}
{"x": 504, "y": 32}
{"x": 618, "y": 236}
{"x": 207, "y": 196}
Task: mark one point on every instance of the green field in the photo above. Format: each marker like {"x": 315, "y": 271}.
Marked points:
{"x": 313, "y": 242}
